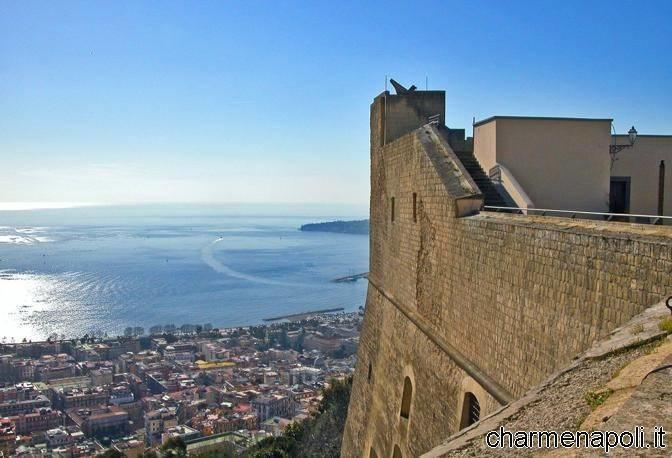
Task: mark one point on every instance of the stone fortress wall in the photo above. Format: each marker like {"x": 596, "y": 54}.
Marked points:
{"x": 462, "y": 301}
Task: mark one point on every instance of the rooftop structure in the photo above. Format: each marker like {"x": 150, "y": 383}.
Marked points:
{"x": 574, "y": 164}
{"x": 100, "y": 421}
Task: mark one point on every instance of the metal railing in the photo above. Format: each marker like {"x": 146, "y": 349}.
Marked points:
{"x": 434, "y": 119}
{"x": 627, "y": 217}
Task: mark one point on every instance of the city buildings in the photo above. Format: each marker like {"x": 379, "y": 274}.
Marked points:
{"x": 216, "y": 389}
{"x": 274, "y": 405}
{"x": 37, "y": 421}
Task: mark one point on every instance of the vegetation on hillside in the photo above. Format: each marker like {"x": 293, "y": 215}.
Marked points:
{"x": 318, "y": 436}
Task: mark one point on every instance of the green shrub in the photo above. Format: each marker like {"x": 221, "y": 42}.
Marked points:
{"x": 596, "y": 398}
{"x": 665, "y": 324}
{"x": 319, "y": 435}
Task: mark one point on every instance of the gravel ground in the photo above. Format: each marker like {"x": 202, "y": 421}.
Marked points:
{"x": 561, "y": 405}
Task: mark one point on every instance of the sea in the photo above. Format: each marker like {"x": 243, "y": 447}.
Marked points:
{"x": 97, "y": 270}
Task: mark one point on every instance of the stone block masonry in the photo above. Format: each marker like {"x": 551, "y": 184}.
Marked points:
{"x": 487, "y": 304}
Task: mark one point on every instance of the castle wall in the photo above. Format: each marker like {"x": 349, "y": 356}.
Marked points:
{"x": 393, "y": 347}
{"x": 516, "y": 297}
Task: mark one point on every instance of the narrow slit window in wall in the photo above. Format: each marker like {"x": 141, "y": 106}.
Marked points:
{"x": 415, "y": 208}
{"x": 406, "y": 398}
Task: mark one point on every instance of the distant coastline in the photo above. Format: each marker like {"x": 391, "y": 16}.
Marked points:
{"x": 237, "y": 270}
{"x": 343, "y": 227}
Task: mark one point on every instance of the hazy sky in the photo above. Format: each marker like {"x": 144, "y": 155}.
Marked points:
{"x": 268, "y": 101}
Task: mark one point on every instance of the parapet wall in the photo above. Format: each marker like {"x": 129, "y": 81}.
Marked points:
{"x": 487, "y": 304}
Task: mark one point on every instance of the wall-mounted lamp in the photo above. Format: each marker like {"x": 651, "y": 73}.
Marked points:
{"x": 632, "y": 136}
{"x": 614, "y": 149}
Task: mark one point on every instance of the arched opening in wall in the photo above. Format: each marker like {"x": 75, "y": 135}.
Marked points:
{"x": 406, "y": 398}
{"x": 368, "y": 375}
{"x": 471, "y": 410}
{"x": 397, "y": 452}
{"x": 372, "y": 453}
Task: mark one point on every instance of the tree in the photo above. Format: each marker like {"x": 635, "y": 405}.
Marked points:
{"x": 112, "y": 453}
{"x": 174, "y": 446}
{"x": 283, "y": 340}
{"x": 187, "y": 328}
{"x": 272, "y": 340}
{"x": 319, "y": 435}
{"x": 170, "y": 338}
{"x": 340, "y": 353}
{"x": 298, "y": 345}
{"x": 258, "y": 332}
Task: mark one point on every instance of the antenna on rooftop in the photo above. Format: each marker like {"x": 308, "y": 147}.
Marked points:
{"x": 426, "y": 83}
{"x": 385, "y": 83}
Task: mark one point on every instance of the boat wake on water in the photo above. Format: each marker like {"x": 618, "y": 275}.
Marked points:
{"x": 208, "y": 257}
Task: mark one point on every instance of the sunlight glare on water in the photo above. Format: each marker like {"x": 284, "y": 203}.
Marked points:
{"x": 22, "y": 297}
{"x": 98, "y": 270}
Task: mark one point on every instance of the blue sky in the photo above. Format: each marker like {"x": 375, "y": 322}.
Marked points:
{"x": 267, "y": 101}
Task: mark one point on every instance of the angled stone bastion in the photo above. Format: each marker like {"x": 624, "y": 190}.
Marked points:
{"x": 466, "y": 309}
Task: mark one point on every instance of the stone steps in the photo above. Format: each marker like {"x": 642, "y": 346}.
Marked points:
{"x": 490, "y": 193}
{"x": 482, "y": 180}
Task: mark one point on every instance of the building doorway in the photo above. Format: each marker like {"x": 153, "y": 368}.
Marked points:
{"x": 619, "y": 195}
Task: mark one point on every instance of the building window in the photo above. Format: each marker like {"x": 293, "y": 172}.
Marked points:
{"x": 392, "y": 209}
{"x": 406, "y": 398}
{"x": 368, "y": 375}
{"x": 415, "y": 207}
{"x": 397, "y": 452}
{"x": 471, "y": 410}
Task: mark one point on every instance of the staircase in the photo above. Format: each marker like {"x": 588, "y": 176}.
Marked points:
{"x": 490, "y": 193}
{"x": 493, "y": 194}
